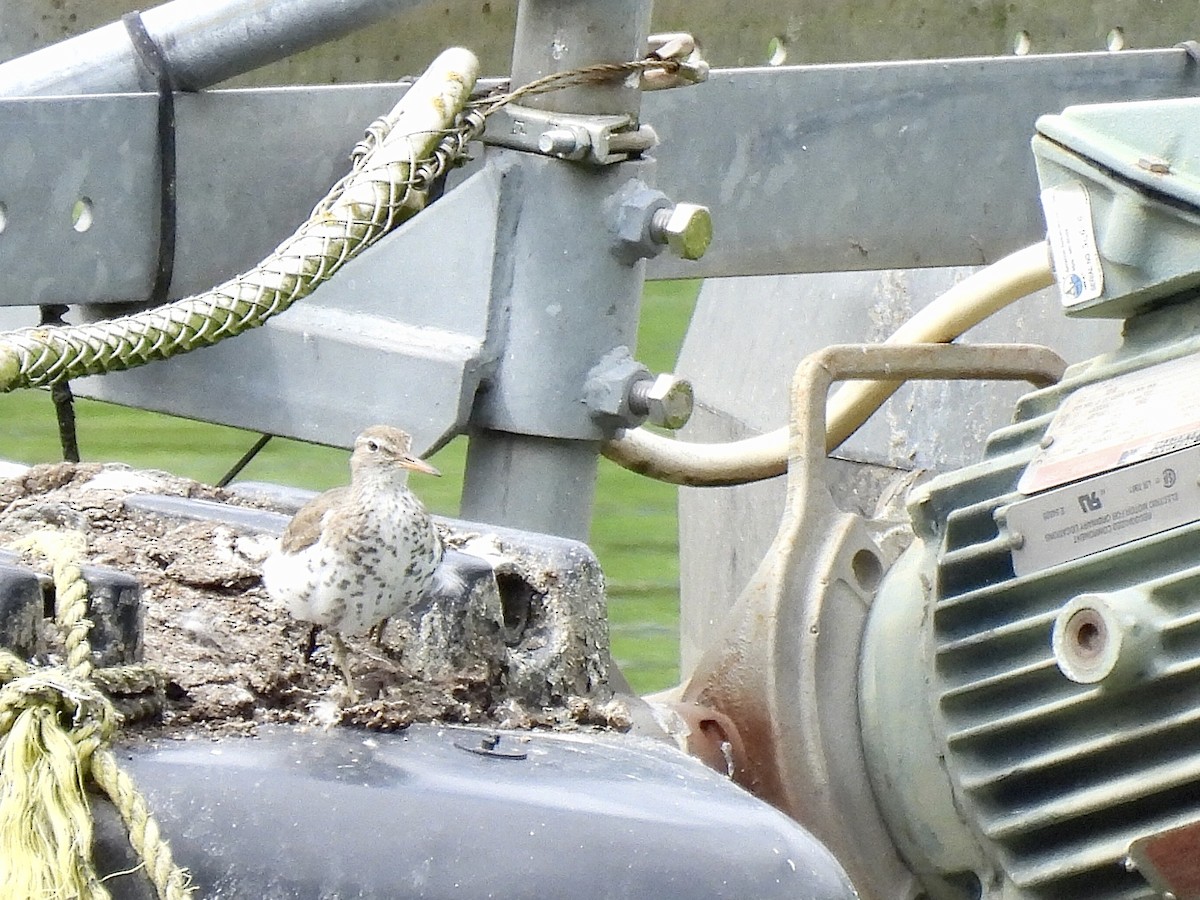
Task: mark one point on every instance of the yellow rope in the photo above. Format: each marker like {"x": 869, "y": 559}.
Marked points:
{"x": 55, "y": 726}
{"x": 170, "y": 881}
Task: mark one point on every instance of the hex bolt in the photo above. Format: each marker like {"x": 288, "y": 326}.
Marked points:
{"x": 666, "y": 401}
{"x": 633, "y": 210}
{"x": 565, "y": 142}
{"x": 686, "y": 228}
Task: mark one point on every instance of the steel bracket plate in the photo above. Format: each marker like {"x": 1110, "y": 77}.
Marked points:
{"x": 369, "y": 346}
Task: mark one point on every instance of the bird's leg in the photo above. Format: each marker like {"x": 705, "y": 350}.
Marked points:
{"x": 377, "y": 630}
{"x": 310, "y": 644}
{"x": 341, "y": 658}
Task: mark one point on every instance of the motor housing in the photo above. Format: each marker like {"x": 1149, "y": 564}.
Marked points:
{"x": 1005, "y": 765}
{"x": 1031, "y": 666}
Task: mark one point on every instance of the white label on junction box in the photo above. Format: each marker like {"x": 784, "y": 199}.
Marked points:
{"x": 1118, "y": 422}
{"x": 1073, "y": 243}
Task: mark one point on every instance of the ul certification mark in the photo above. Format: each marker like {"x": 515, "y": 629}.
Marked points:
{"x": 1168, "y": 478}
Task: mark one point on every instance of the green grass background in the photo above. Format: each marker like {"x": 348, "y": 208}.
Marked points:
{"x": 634, "y": 530}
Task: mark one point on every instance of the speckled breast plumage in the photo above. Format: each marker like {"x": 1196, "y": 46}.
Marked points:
{"x": 374, "y": 560}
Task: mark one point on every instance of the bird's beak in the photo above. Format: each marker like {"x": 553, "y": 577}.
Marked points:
{"x": 418, "y": 465}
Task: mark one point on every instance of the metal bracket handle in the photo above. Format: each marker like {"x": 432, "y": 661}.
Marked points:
{"x": 815, "y": 375}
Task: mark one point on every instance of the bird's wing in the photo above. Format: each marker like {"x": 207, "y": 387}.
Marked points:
{"x": 305, "y": 528}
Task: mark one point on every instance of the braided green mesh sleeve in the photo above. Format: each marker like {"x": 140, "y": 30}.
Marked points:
{"x": 391, "y": 171}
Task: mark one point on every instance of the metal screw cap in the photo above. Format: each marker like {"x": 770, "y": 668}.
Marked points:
{"x": 686, "y": 228}
{"x": 569, "y": 143}
{"x": 1110, "y": 638}
{"x": 666, "y": 401}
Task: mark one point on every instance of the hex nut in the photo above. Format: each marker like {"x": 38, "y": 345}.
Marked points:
{"x": 632, "y": 221}
{"x": 611, "y": 384}
{"x": 686, "y": 229}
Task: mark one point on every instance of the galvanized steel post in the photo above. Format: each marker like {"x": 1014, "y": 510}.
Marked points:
{"x": 569, "y": 300}
{"x": 204, "y": 43}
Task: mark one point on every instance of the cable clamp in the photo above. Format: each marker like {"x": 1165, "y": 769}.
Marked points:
{"x": 600, "y": 140}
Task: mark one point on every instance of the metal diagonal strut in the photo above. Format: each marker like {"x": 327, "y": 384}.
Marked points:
{"x": 208, "y": 43}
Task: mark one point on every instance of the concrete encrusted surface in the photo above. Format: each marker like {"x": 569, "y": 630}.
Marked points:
{"x": 513, "y": 635}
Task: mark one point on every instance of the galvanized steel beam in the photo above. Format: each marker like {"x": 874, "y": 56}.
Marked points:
{"x": 884, "y": 165}
{"x": 810, "y": 168}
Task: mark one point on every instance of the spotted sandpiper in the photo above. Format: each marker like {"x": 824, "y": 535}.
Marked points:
{"x": 356, "y": 555}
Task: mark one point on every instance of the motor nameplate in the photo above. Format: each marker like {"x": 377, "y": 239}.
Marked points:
{"x": 1085, "y": 517}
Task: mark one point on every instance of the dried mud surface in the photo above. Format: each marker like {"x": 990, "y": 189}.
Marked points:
{"x": 233, "y": 660}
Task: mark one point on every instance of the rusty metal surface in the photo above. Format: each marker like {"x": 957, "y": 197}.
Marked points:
{"x": 1170, "y": 861}
{"x": 785, "y": 666}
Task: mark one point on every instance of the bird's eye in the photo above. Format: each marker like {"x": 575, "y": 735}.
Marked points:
{"x": 373, "y": 446}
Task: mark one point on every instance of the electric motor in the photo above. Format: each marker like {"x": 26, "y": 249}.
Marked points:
{"x": 1030, "y": 687}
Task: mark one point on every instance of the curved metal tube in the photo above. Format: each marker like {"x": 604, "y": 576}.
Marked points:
{"x": 739, "y": 462}
{"x": 204, "y": 43}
